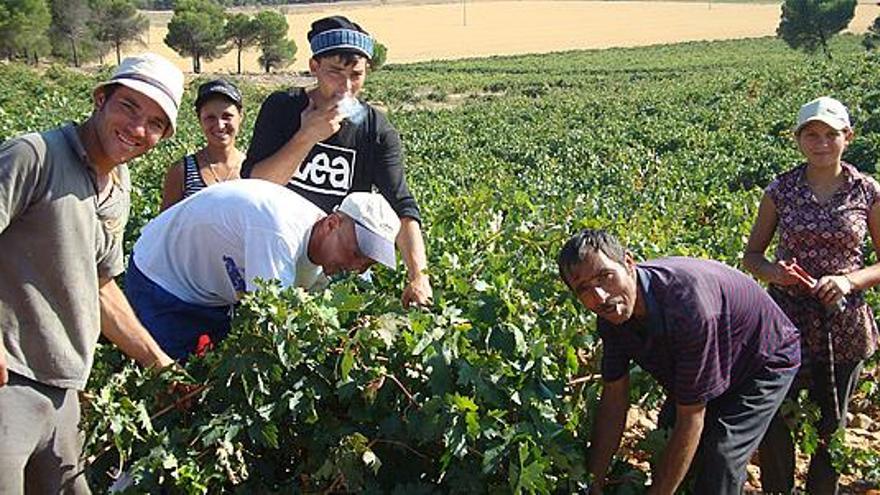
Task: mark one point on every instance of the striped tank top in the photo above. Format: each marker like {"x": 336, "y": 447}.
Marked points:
{"x": 192, "y": 179}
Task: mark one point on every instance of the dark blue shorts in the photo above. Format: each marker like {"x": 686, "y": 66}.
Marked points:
{"x": 175, "y": 324}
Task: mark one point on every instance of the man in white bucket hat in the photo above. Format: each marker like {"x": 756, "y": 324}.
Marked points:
{"x": 64, "y": 202}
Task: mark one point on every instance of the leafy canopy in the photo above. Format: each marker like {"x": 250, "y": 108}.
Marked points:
{"x": 277, "y": 50}
{"x": 70, "y": 28}
{"x": 241, "y": 32}
{"x": 23, "y": 27}
{"x": 872, "y": 36}
{"x": 809, "y": 24}
{"x": 197, "y": 30}
{"x": 271, "y": 27}
{"x": 380, "y": 54}
{"x": 117, "y": 23}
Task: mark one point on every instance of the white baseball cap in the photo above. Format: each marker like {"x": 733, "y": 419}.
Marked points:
{"x": 824, "y": 109}
{"x": 375, "y": 224}
{"x": 156, "y": 78}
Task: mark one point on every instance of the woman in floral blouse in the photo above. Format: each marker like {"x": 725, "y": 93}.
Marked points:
{"x": 822, "y": 210}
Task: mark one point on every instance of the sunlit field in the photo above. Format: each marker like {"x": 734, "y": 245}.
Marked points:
{"x": 416, "y": 33}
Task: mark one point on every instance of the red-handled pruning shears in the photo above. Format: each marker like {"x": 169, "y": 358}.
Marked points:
{"x": 809, "y": 282}
{"x": 803, "y": 277}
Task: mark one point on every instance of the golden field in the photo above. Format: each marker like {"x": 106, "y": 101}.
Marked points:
{"x": 420, "y": 32}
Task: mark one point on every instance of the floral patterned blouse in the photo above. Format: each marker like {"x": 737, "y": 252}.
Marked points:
{"x": 826, "y": 239}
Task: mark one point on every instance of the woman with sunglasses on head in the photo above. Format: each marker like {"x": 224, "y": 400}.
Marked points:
{"x": 219, "y": 109}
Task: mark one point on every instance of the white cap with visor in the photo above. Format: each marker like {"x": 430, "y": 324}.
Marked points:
{"x": 824, "y": 109}
{"x": 376, "y": 225}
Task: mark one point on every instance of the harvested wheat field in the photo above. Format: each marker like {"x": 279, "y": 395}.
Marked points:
{"x": 419, "y": 32}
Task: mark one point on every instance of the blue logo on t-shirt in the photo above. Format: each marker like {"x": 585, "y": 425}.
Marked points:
{"x": 235, "y": 274}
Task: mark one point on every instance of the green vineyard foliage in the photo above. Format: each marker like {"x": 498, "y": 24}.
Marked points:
{"x": 493, "y": 389}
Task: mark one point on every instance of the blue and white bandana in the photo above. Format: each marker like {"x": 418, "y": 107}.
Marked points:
{"x": 349, "y": 39}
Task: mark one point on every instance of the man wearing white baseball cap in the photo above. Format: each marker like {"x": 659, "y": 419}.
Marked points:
{"x": 64, "y": 202}
{"x": 376, "y": 225}
{"x": 194, "y": 261}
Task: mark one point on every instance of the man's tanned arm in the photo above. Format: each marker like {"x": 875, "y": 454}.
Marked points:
{"x": 608, "y": 430}
{"x": 412, "y": 250}
{"x": 679, "y": 452}
{"x": 120, "y": 325}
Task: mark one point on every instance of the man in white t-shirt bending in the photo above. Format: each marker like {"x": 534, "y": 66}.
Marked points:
{"x": 193, "y": 262}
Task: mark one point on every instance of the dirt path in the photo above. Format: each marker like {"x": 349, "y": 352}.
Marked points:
{"x": 419, "y": 32}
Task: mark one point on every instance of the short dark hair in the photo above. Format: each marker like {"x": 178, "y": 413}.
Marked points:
{"x": 108, "y": 89}
{"x": 585, "y": 242}
{"x": 346, "y": 56}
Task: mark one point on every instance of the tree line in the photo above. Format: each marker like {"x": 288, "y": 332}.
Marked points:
{"x": 80, "y": 31}
{"x": 76, "y": 30}
{"x": 84, "y": 30}
{"x": 203, "y": 31}
{"x": 169, "y": 4}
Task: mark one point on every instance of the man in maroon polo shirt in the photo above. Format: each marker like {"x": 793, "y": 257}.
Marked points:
{"x": 711, "y": 337}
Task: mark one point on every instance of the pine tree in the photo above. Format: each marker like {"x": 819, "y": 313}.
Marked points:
{"x": 70, "y": 27}
{"x": 118, "y": 23}
{"x": 24, "y": 29}
{"x": 277, "y": 50}
{"x": 197, "y": 30}
{"x": 241, "y": 31}
{"x": 809, "y": 24}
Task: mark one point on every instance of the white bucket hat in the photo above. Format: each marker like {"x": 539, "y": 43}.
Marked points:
{"x": 156, "y": 78}
{"x": 824, "y": 109}
{"x": 375, "y": 224}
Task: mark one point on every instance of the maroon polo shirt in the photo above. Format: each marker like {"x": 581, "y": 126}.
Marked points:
{"x": 708, "y": 329}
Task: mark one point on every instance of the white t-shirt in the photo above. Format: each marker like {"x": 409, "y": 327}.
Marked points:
{"x": 209, "y": 248}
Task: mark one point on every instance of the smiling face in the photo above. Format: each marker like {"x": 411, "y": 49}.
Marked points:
{"x": 604, "y": 286}
{"x": 127, "y": 124}
{"x": 220, "y": 120}
{"x": 823, "y": 145}
{"x": 336, "y": 77}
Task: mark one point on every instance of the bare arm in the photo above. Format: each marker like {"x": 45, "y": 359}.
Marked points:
{"x": 317, "y": 124}
{"x": 832, "y": 287}
{"x": 608, "y": 429}
{"x": 172, "y": 189}
{"x": 4, "y": 374}
{"x": 120, "y": 325}
{"x": 412, "y": 249}
{"x": 754, "y": 259}
{"x": 869, "y": 276}
{"x": 679, "y": 452}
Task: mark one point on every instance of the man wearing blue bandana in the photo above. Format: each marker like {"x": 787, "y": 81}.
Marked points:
{"x": 324, "y": 142}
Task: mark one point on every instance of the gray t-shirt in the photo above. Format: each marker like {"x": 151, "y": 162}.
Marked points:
{"x": 57, "y": 241}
